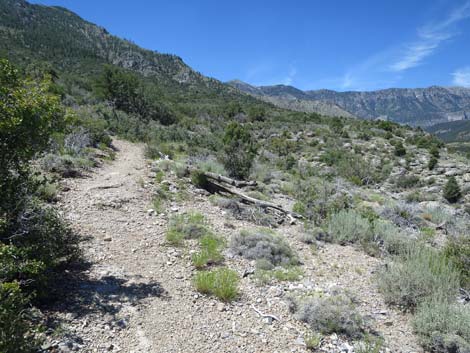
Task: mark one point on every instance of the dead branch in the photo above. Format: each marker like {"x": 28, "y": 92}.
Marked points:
{"x": 256, "y": 202}
{"x": 233, "y": 182}
{"x": 264, "y": 315}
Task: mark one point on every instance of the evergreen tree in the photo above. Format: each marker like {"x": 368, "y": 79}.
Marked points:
{"x": 239, "y": 150}
{"x": 452, "y": 192}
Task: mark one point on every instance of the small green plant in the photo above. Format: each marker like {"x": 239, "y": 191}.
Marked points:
{"x": 370, "y": 344}
{"x": 289, "y": 274}
{"x": 190, "y": 225}
{"x": 221, "y": 282}
{"x": 313, "y": 340}
{"x": 210, "y": 251}
{"x": 452, "y": 192}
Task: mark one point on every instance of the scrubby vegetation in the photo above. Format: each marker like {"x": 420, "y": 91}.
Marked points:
{"x": 330, "y": 314}
{"x": 35, "y": 243}
{"x": 418, "y": 274}
{"x": 265, "y": 246}
{"x": 190, "y": 225}
{"x": 354, "y": 182}
{"x": 221, "y": 282}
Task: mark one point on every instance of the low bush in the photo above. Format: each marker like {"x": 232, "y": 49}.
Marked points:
{"x": 16, "y": 327}
{"x": 221, "y": 282}
{"x": 391, "y": 238}
{"x": 416, "y": 275}
{"x": 332, "y": 314}
{"x": 288, "y": 274}
{"x": 262, "y": 244}
{"x": 443, "y": 327}
{"x": 190, "y": 225}
{"x": 407, "y": 181}
{"x": 457, "y": 251}
{"x": 348, "y": 226}
{"x": 210, "y": 251}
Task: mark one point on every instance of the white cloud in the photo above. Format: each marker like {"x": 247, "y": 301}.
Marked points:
{"x": 290, "y": 76}
{"x": 462, "y": 77}
{"x": 430, "y": 37}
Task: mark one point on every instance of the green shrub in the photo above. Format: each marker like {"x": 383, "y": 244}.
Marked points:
{"x": 190, "y": 225}
{"x": 407, "y": 181}
{"x": 416, "y": 275}
{"x": 432, "y": 163}
{"x": 16, "y": 329}
{"x": 457, "y": 251}
{"x": 348, "y": 226}
{"x": 392, "y": 239}
{"x": 263, "y": 244}
{"x": 282, "y": 274}
{"x": 399, "y": 149}
{"x": 332, "y": 314}
{"x": 452, "y": 192}
{"x": 221, "y": 282}
{"x": 442, "y": 326}
{"x": 210, "y": 251}
{"x": 239, "y": 150}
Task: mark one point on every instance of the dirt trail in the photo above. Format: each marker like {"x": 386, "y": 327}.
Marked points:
{"x": 137, "y": 294}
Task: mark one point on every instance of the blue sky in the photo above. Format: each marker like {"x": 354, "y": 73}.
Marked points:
{"x": 335, "y": 44}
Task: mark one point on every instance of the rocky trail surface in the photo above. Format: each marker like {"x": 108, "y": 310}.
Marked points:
{"x": 137, "y": 295}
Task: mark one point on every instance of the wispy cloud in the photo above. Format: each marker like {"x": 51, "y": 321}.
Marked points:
{"x": 290, "y": 76}
{"x": 461, "y": 77}
{"x": 387, "y": 67}
{"x": 430, "y": 37}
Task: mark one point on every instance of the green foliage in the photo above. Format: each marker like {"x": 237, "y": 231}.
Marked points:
{"x": 399, "y": 149}
{"x": 452, "y": 192}
{"x": 416, "y": 275}
{"x": 126, "y": 92}
{"x": 432, "y": 163}
{"x": 186, "y": 226}
{"x": 239, "y": 150}
{"x": 407, "y": 181}
{"x": 283, "y": 274}
{"x": 442, "y": 326}
{"x": 348, "y": 226}
{"x": 221, "y": 282}
{"x": 16, "y": 329}
{"x": 210, "y": 251}
{"x": 457, "y": 251}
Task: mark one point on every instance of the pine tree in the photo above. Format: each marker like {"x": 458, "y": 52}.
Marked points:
{"x": 452, "y": 192}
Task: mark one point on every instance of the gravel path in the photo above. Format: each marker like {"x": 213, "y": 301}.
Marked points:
{"x": 137, "y": 294}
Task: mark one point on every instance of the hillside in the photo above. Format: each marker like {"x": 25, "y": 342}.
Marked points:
{"x": 415, "y": 107}
{"x": 42, "y": 35}
{"x": 147, "y": 208}
{"x": 291, "y": 98}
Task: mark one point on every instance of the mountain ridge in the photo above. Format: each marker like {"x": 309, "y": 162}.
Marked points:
{"x": 413, "y": 106}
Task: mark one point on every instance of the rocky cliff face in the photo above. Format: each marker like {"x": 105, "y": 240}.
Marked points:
{"x": 416, "y": 107}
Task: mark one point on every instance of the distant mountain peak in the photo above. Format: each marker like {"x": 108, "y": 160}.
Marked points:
{"x": 413, "y": 106}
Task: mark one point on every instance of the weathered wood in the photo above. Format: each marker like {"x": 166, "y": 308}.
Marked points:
{"x": 259, "y": 203}
{"x": 224, "y": 179}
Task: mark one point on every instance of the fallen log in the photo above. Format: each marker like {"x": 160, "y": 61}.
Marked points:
{"x": 260, "y": 203}
{"x": 224, "y": 179}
